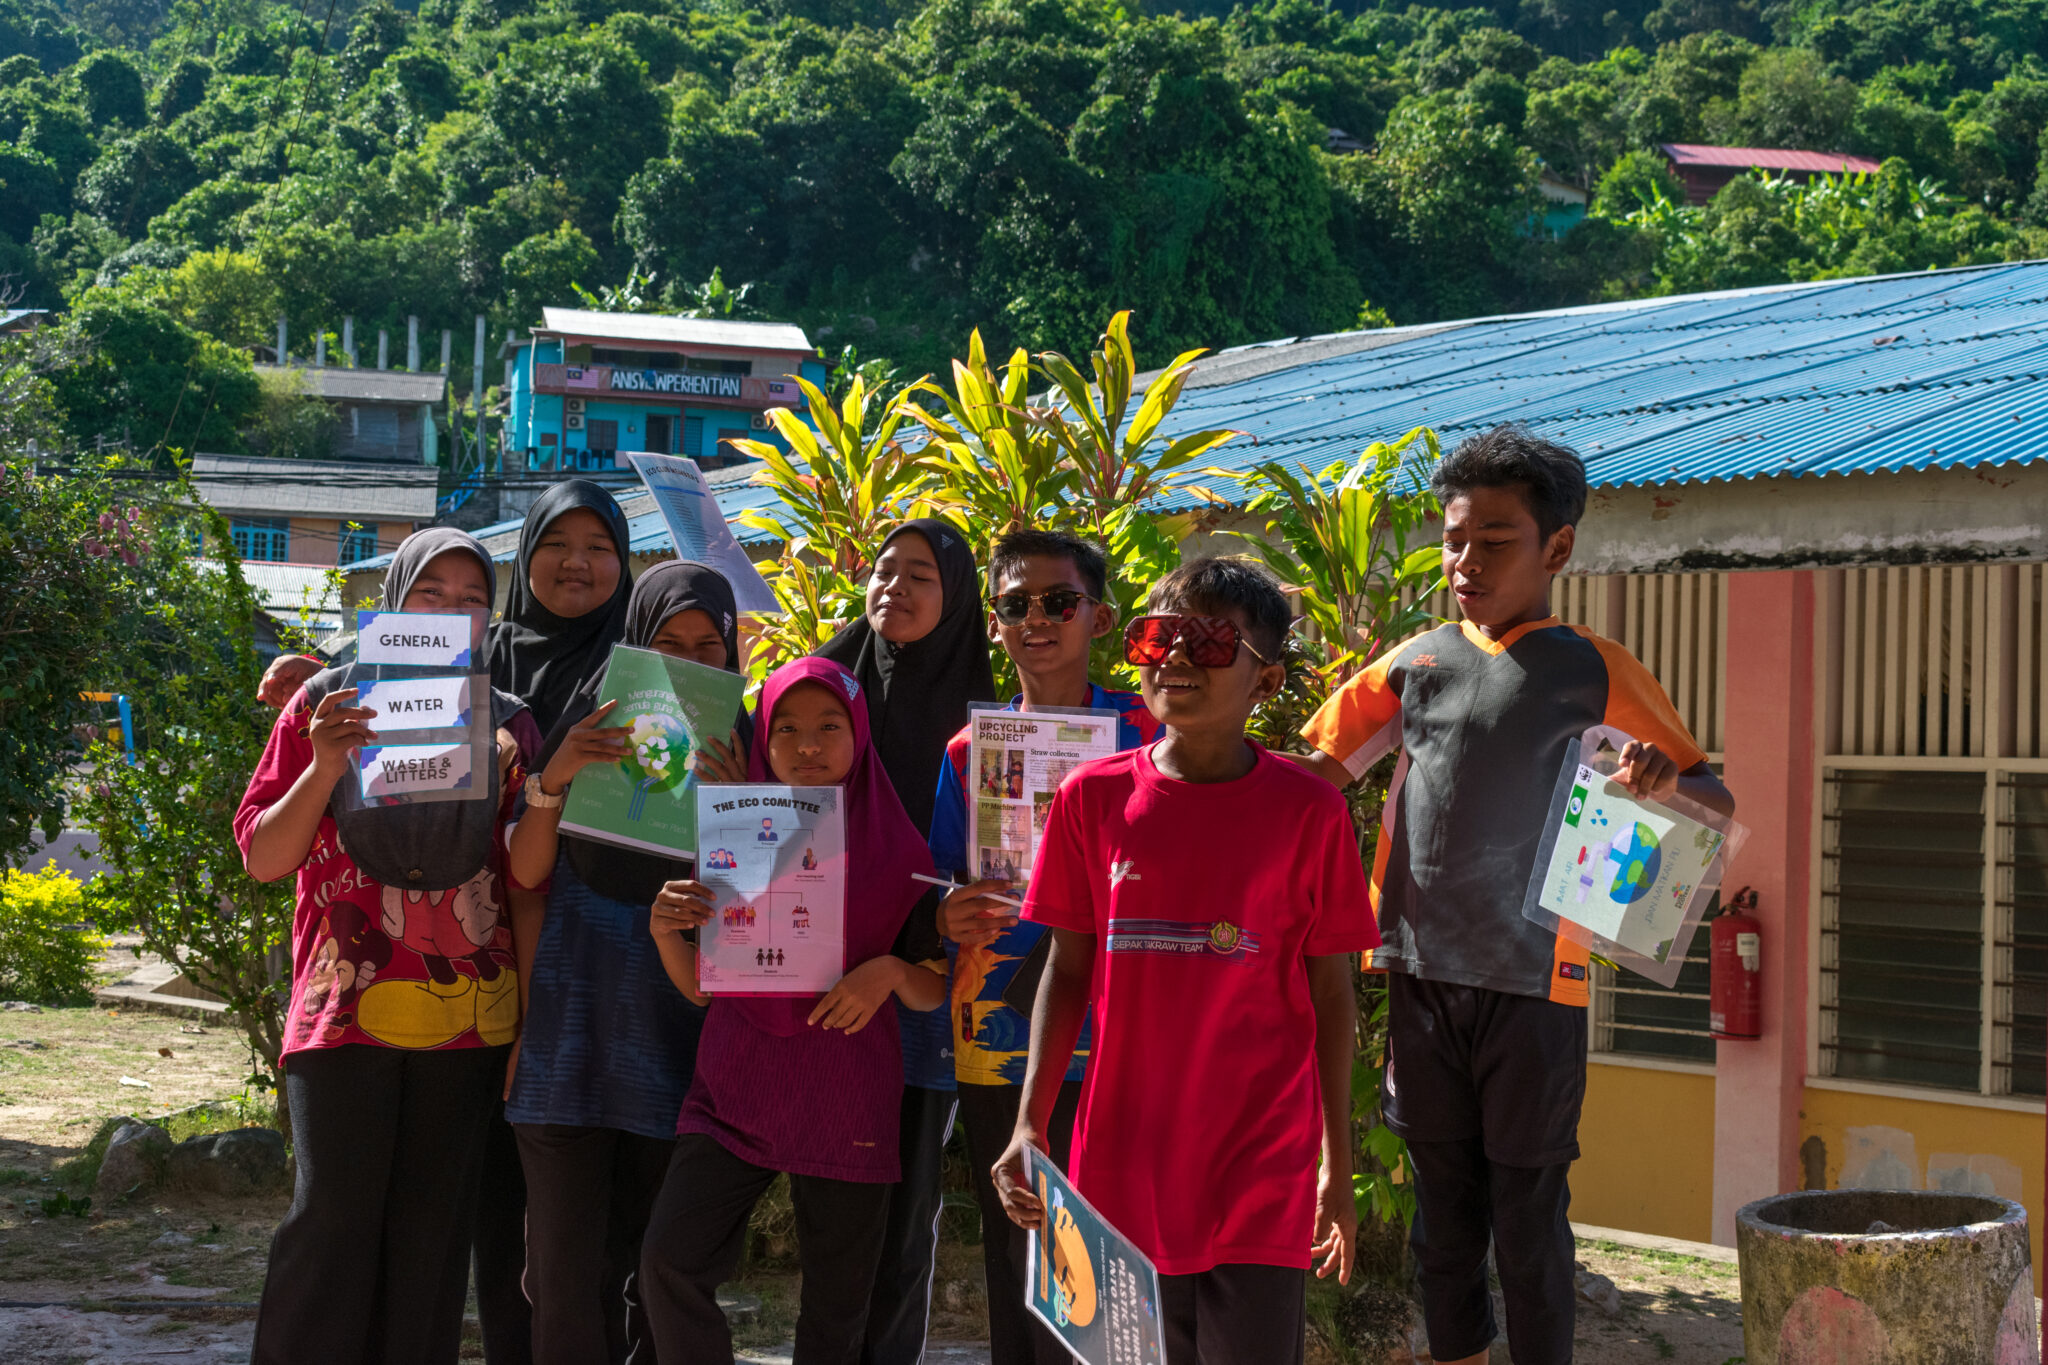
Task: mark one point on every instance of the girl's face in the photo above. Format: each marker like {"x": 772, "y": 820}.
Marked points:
{"x": 810, "y": 741}
{"x": 693, "y": 635}
{"x": 904, "y": 593}
{"x": 452, "y": 580}
{"x": 575, "y": 568}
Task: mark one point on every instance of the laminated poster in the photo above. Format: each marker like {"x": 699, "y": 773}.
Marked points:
{"x": 649, "y": 800}
{"x": 775, "y": 857}
{"x": 698, "y": 527}
{"x": 1016, "y": 760}
{"x": 1097, "y": 1292}
{"x": 387, "y": 770}
{"x": 430, "y": 639}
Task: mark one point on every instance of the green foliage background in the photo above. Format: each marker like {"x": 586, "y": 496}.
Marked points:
{"x": 892, "y": 173}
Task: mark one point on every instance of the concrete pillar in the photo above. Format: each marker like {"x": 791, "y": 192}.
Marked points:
{"x": 412, "y": 343}
{"x": 476, "y": 389}
{"x": 348, "y": 340}
{"x": 280, "y": 341}
{"x": 320, "y": 349}
{"x": 447, "y": 349}
{"x": 383, "y": 349}
{"x": 1771, "y": 764}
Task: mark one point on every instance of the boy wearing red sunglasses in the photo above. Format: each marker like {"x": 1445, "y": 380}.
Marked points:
{"x": 1046, "y": 607}
{"x": 1485, "y": 1008}
{"x": 1206, "y": 898}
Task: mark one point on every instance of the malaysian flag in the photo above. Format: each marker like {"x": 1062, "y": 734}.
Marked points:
{"x": 579, "y": 377}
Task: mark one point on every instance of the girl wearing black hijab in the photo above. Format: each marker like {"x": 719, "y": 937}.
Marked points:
{"x": 921, "y": 653}
{"x": 609, "y": 1045}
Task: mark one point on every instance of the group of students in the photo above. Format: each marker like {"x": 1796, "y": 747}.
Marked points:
{"x": 468, "y": 981}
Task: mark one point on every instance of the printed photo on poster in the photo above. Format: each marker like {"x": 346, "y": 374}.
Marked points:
{"x": 775, "y": 860}
{"x": 1085, "y": 1281}
{"x": 1017, "y": 760}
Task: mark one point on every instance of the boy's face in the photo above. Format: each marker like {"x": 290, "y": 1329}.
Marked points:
{"x": 1497, "y": 559}
{"x": 1044, "y": 647}
{"x": 1186, "y": 697}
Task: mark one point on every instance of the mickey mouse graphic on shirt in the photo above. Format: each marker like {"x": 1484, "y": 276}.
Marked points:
{"x": 452, "y": 929}
{"x": 348, "y": 952}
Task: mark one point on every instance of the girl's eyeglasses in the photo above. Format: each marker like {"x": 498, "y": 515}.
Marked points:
{"x": 1211, "y": 641}
{"x": 1059, "y": 605}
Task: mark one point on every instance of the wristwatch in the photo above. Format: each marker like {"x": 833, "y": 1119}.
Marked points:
{"x": 537, "y": 798}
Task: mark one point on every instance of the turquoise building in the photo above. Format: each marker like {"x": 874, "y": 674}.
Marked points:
{"x": 586, "y": 387}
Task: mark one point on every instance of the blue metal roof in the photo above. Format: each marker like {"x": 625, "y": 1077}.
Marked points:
{"x": 1930, "y": 370}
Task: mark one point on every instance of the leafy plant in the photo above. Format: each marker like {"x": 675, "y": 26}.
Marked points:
{"x": 46, "y": 954}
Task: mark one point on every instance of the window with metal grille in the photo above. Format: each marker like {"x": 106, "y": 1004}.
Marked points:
{"x": 1903, "y": 961}
{"x": 267, "y": 539}
{"x": 358, "y": 542}
{"x": 2021, "y": 905}
{"x": 1633, "y": 1016}
{"x": 603, "y": 436}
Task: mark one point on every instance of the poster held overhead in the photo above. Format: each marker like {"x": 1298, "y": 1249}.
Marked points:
{"x": 775, "y": 859}
{"x": 697, "y": 526}
{"x": 1626, "y": 876}
{"x": 1090, "y": 1286}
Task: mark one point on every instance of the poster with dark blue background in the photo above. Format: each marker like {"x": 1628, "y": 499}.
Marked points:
{"x": 1098, "y": 1293}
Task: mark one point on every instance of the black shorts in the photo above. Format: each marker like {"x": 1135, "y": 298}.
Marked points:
{"x": 1465, "y": 1062}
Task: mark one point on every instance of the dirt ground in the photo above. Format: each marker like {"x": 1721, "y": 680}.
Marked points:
{"x": 1673, "y": 1308}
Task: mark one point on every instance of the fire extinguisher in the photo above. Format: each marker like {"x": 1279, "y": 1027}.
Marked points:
{"x": 1735, "y": 1009}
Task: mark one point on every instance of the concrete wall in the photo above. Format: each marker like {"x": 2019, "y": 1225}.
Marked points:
{"x": 1646, "y": 1144}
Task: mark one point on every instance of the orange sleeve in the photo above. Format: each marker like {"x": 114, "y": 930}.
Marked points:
{"x": 1638, "y": 707}
{"x": 1362, "y": 719}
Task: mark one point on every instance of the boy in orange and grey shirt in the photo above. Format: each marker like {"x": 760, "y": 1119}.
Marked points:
{"x": 1486, "y": 1020}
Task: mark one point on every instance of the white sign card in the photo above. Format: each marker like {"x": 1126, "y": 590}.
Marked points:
{"x": 697, "y": 525}
{"x": 775, "y": 860}
{"x": 1016, "y": 760}
{"x": 386, "y": 770}
{"x": 429, "y": 639}
{"x": 416, "y": 703}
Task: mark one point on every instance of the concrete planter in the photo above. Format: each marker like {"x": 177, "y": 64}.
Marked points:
{"x": 1886, "y": 1277}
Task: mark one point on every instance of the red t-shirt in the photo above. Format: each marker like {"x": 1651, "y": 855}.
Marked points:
{"x": 381, "y": 965}
{"x": 1201, "y": 1125}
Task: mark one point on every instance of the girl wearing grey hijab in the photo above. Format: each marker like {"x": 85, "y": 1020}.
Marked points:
{"x": 403, "y": 1004}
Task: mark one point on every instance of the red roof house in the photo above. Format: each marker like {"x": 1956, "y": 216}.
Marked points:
{"x": 1706, "y": 169}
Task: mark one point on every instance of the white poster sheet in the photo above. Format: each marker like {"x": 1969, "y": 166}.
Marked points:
{"x": 697, "y": 525}
{"x": 386, "y": 770}
{"x": 422, "y": 639}
{"x": 1016, "y": 760}
{"x": 775, "y": 860}
{"x": 434, "y": 703}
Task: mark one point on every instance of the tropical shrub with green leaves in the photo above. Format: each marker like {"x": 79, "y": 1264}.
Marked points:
{"x": 46, "y": 947}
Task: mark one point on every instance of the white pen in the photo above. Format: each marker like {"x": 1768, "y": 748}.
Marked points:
{"x": 955, "y": 886}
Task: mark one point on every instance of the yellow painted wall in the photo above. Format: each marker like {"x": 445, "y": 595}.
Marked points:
{"x": 1937, "y": 1130}
{"x": 1646, "y": 1152}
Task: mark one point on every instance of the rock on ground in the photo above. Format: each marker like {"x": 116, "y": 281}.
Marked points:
{"x": 244, "y": 1161}
{"x": 135, "y": 1158}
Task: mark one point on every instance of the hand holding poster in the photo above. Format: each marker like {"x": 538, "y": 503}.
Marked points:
{"x": 775, "y": 857}
{"x": 697, "y": 525}
{"x": 649, "y": 801}
{"x": 1097, "y": 1292}
{"x": 1627, "y": 875}
{"x": 1016, "y": 760}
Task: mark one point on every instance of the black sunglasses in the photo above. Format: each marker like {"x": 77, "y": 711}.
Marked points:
{"x": 1059, "y": 605}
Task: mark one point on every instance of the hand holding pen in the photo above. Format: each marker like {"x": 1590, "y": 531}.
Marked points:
{"x": 975, "y": 914}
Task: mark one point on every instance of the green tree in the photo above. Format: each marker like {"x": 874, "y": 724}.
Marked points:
{"x": 150, "y": 382}
{"x": 135, "y": 179}
{"x": 544, "y": 269}
{"x": 111, "y": 89}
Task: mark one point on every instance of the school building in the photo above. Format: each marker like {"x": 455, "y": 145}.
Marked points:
{"x": 1820, "y": 515}
{"x": 585, "y": 386}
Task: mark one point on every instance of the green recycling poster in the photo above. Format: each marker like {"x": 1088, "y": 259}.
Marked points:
{"x": 648, "y": 801}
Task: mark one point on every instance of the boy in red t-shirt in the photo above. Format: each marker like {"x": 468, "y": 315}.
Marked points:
{"x": 1206, "y": 898}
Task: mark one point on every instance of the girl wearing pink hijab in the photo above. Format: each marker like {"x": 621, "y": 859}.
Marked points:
{"x": 810, "y": 1087}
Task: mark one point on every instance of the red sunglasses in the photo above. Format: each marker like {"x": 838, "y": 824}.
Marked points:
{"x": 1210, "y": 641}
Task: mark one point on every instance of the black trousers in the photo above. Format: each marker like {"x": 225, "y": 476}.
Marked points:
{"x": 589, "y": 1192}
{"x": 1235, "y": 1315}
{"x": 699, "y": 1228}
{"x": 900, "y": 1311}
{"x": 500, "y": 1247}
{"x": 1463, "y": 1201}
{"x": 989, "y": 1114}
{"x": 372, "y": 1258}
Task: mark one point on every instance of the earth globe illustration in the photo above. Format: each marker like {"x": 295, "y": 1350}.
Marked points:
{"x": 1635, "y": 861}
{"x": 657, "y": 757}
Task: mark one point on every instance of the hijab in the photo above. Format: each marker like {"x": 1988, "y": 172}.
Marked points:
{"x": 536, "y": 655}
{"x": 918, "y": 693}
{"x": 883, "y": 848}
{"x": 673, "y": 586}
{"x": 428, "y": 845}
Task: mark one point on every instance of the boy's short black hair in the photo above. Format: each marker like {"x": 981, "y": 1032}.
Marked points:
{"x": 1552, "y": 477}
{"x": 1014, "y": 547}
{"x": 1203, "y": 585}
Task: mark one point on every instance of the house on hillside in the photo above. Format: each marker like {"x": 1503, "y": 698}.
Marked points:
{"x": 315, "y": 512}
{"x": 585, "y": 386}
{"x": 1704, "y": 170}
{"x": 384, "y": 415}
{"x": 17, "y": 320}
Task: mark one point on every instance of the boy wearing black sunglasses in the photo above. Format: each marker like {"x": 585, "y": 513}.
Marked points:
{"x": 1206, "y": 897}
{"x": 1046, "y": 607}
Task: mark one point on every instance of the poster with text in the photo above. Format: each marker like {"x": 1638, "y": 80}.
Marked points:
{"x": 1097, "y": 1292}
{"x": 775, "y": 860}
{"x": 697, "y": 525}
{"x": 648, "y": 801}
{"x": 1016, "y": 760}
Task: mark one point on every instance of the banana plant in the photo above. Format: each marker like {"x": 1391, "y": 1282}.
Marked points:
{"x": 1344, "y": 541}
